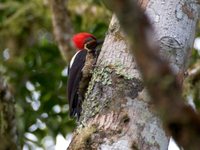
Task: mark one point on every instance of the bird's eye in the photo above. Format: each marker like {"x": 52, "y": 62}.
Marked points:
{"x": 90, "y": 45}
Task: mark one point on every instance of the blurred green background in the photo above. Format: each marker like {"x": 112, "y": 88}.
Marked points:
{"x": 32, "y": 65}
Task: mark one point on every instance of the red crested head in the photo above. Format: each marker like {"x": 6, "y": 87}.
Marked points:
{"x": 80, "y": 39}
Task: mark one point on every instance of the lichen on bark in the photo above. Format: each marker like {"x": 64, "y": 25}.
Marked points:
{"x": 111, "y": 86}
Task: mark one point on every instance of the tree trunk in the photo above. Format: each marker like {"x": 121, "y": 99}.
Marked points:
{"x": 181, "y": 120}
{"x": 8, "y": 129}
{"x": 62, "y": 27}
{"x": 117, "y": 112}
{"x": 175, "y": 23}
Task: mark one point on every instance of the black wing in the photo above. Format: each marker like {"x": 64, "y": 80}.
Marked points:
{"x": 74, "y": 77}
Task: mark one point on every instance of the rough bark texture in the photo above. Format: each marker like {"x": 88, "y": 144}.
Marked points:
{"x": 62, "y": 27}
{"x": 181, "y": 120}
{"x": 117, "y": 113}
{"x": 8, "y": 129}
{"x": 175, "y": 21}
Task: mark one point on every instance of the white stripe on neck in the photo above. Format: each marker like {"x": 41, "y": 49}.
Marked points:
{"x": 73, "y": 58}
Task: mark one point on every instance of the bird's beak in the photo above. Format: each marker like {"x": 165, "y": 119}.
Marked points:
{"x": 100, "y": 42}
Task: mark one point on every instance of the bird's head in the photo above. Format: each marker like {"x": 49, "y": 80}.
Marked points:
{"x": 85, "y": 41}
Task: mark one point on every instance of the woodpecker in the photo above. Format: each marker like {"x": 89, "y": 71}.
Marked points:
{"x": 79, "y": 70}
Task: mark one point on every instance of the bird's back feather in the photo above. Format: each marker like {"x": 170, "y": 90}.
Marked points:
{"x": 74, "y": 77}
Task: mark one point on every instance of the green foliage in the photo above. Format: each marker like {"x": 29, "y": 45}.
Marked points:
{"x": 39, "y": 90}
{"x": 90, "y": 16}
{"x": 31, "y": 62}
{"x": 192, "y": 82}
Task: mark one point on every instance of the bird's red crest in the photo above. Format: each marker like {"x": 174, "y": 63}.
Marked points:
{"x": 80, "y": 38}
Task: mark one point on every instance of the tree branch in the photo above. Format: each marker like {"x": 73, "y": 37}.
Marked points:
{"x": 8, "y": 129}
{"x": 62, "y": 28}
{"x": 181, "y": 120}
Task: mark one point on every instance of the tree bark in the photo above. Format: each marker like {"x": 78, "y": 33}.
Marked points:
{"x": 117, "y": 112}
{"x": 181, "y": 120}
{"x": 62, "y": 27}
{"x": 8, "y": 129}
{"x": 175, "y": 23}
{"x": 116, "y": 105}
